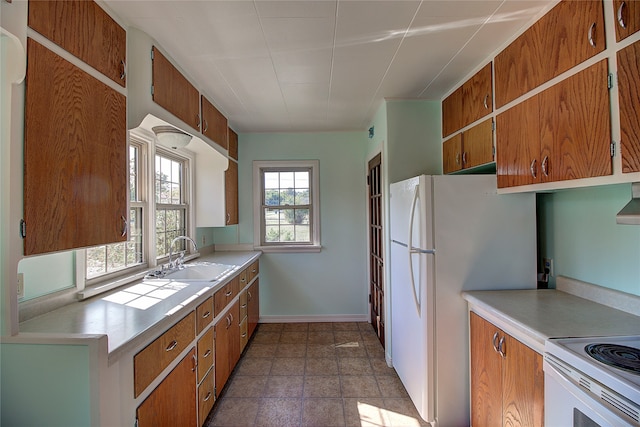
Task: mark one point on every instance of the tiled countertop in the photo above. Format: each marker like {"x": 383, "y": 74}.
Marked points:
{"x": 532, "y": 316}
{"x": 130, "y": 315}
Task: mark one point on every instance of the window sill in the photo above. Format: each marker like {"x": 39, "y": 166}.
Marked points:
{"x": 289, "y": 248}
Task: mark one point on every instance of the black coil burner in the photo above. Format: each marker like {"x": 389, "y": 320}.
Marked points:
{"x": 618, "y": 356}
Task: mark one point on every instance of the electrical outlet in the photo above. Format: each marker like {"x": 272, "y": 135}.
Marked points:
{"x": 204, "y": 240}
{"x": 20, "y": 287}
{"x": 548, "y": 266}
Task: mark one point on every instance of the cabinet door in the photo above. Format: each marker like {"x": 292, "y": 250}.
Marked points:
{"x": 486, "y": 374}
{"x": 231, "y": 192}
{"x": 477, "y": 145}
{"x": 627, "y": 16}
{"x": 86, "y": 31}
{"x": 233, "y": 144}
{"x": 452, "y": 154}
{"x": 214, "y": 124}
{"x": 206, "y": 398}
{"x": 75, "y": 154}
{"x": 477, "y": 99}
{"x": 629, "y": 96}
{"x": 173, "y": 402}
{"x": 253, "y": 303}
{"x": 523, "y": 385}
{"x": 222, "y": 330}
{"x": 205, "y": 353}
{"x": 234, "y": 336}
{"x": 452, "y": 113}
{"x": 518, "y": 144}
{"x": 576, "y": 123}
{"x": 173, "y": 92}
{"x": 570, "y": 33}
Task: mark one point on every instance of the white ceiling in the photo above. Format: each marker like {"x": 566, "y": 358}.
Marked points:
{"x": 327, "y": 65}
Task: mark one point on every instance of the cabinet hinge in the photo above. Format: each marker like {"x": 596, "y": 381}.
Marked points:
{"x": 152, "y": 54}
{"x": 23, "y": 229}
{"x": 368, "y": 180}
{"x": 612, "y": 149}
{"x": 610, "y": 81}
{"x": 151, "y": 90}
{"x": 493, "y": 151}
{"x": 136, "y": 423}
{"x": 493, "y": 125}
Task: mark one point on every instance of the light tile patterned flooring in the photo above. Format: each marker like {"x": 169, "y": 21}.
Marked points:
{"x": 314, "y": 374}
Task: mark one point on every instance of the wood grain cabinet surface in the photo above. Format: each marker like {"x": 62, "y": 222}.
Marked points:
{"x": 468, "y": 103}
{"x": 233, "y": 143}
{"x": 627, "y": 18}
{"x": 75, "y": 157}
{"x": 206, "y": 354}
{"x": 570, "y": 33}
{"x": 214, "y": 123}
{"x": 507, "y": 380}
{"x": 227, "y": 345}
{"x": 174, "y": 401}
{"x": 173, "y": 92}
{"x": 206, "y": 397}
{"x": 468, "y": 149}
{"x": 559, "y": 134}
{"x": 629, "y": 97}
{"x": 85, "y": 30}
{"x": 253, "y": 306}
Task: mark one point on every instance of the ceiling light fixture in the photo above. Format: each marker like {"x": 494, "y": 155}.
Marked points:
{"x": 171, "y": 137}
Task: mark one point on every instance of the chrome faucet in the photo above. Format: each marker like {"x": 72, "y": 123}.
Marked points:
{"x": 178, "y": 262}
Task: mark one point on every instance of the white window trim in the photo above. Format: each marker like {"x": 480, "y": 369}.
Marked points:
{"x": 315, "y": 245}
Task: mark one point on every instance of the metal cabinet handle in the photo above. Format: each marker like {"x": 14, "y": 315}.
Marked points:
{"x": 464, "y": 158}
{"x": 173, "y": 344}
{"x": 228, "y": 294}
{"x": 244, "y": 279}
{"x": 485, "y": 102}
{"x": 244, "y": 335}
{"x": 206, "y": 354}
{"x": 206, "y": 314}
{"x": 207, "y": 397}
{"x": 228, "y": 322}
{"x": 621, "y": 20}
{"x": 545, "y": 165}
{"x": 501, "y": 348}
{"x": 123, "y": 74}
{"x": 206, "y": 125}
{"x": 249, "y": 295}
{"x": 493, "y": 341}
{"x": 125, "y": 226}
{"x": 532, "y": 168}
{"x": 254, "y": 271}
{"x": 243, "y": 306}
{"x": 228, "y": 217}
{"x": 198, "y": 121}
{"x": 195, "y": 363}
{"x": 590, "y": 35}
{"x": 457, "y": 158}
{"x": 231, "y": 314}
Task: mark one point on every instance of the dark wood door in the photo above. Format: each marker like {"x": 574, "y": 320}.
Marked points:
{"x": 222, "y": 330}
{"x": 214, "y": 123}
{"x": 376, "y": 254}
{"x": 477, "y": 99}
{"x": 75, "y": 157}
{"x": 486, "y": 374}
{"x": 629, "y": 95}
{"x": 253, "y": 302}
{"x": 173, "y": 402}
{"x": 452, "y": 113}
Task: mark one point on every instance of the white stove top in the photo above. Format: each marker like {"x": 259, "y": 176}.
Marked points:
{"x": 572, "y": 352}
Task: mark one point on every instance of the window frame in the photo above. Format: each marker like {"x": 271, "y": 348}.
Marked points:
{"x": 261, "y": 166}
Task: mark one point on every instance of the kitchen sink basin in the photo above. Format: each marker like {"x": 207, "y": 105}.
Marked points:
{"x": 193, "y": 272}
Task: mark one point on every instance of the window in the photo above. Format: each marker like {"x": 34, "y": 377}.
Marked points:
{"x": 107, "y": 259}
{"x": 171, "y": 209}
{"x": 286, "y": 214}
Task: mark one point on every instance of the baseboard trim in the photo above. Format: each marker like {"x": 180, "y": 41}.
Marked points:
{"x": 331, "y": 318}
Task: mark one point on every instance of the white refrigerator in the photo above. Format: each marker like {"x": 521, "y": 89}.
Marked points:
{"x": 450, "y": 234}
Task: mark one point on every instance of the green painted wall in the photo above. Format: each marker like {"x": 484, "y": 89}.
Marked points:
{"x": 45, "y": 274}
{"x": 24, "y": 402}
{"x": 579, "y": 231}
{"x": 334, "y": 281}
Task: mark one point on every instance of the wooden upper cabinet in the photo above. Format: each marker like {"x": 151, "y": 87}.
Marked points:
{"x": 75, "y": 157}
{"x": 214, "y": 123}
{"x": 452, "y": 113}
{"x": 576, "y": 126}
{"x": 477, "y": 96}
{"x": 231, "y": 193}
{"x": 452, "y": 154}
{"x": 477, "y": 145}
{"x": 173, "y": 92}
{"x": 629, "y": 96}
{"x": 570, "y": 33}
{"x": 233, "y": 144}
{"x": 627, "y": 16}
{"x": 470, "y": 102}
{"x": 86, "y": 31}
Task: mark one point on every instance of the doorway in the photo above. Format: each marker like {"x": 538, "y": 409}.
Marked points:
{"x": 376, "y": 255}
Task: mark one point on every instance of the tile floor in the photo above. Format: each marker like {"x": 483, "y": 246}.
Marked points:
{"x": 314, "y": 374}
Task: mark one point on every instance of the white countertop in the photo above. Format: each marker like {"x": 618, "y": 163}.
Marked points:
{"x": 130, "y": 315}
{"x": 532, "y": 316}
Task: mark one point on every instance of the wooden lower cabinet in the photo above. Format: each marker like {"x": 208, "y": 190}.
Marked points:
{"x": 206, "y": 397}
{"x": 507, "y": 381}
{"x": 227, "y": 345}
{"x": 173, "y": 402}
{"x": 253, "y": 306}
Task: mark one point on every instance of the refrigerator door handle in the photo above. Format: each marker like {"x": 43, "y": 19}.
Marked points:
{"x": 410, "y": 249}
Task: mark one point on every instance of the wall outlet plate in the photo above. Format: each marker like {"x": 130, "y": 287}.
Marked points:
{"x": 548, "y": 266}
{"x": 20, "y": 287}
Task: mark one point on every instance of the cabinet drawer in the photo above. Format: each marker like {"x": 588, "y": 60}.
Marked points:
{"x": 152, "y": 360}
{"x": 243, "y": 305}
{"x": 204, "y": 315}
{"x": 224, "y": 296}
{"x": 244, "y": 334}
{"x": 205, "y": 353}
{"x": 253, "y": 271}
{"x": 244, "y": 277}
{"x": 206, "y": 398}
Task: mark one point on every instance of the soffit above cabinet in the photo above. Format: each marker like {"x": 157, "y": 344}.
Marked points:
{"x": 325, "y": 65}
